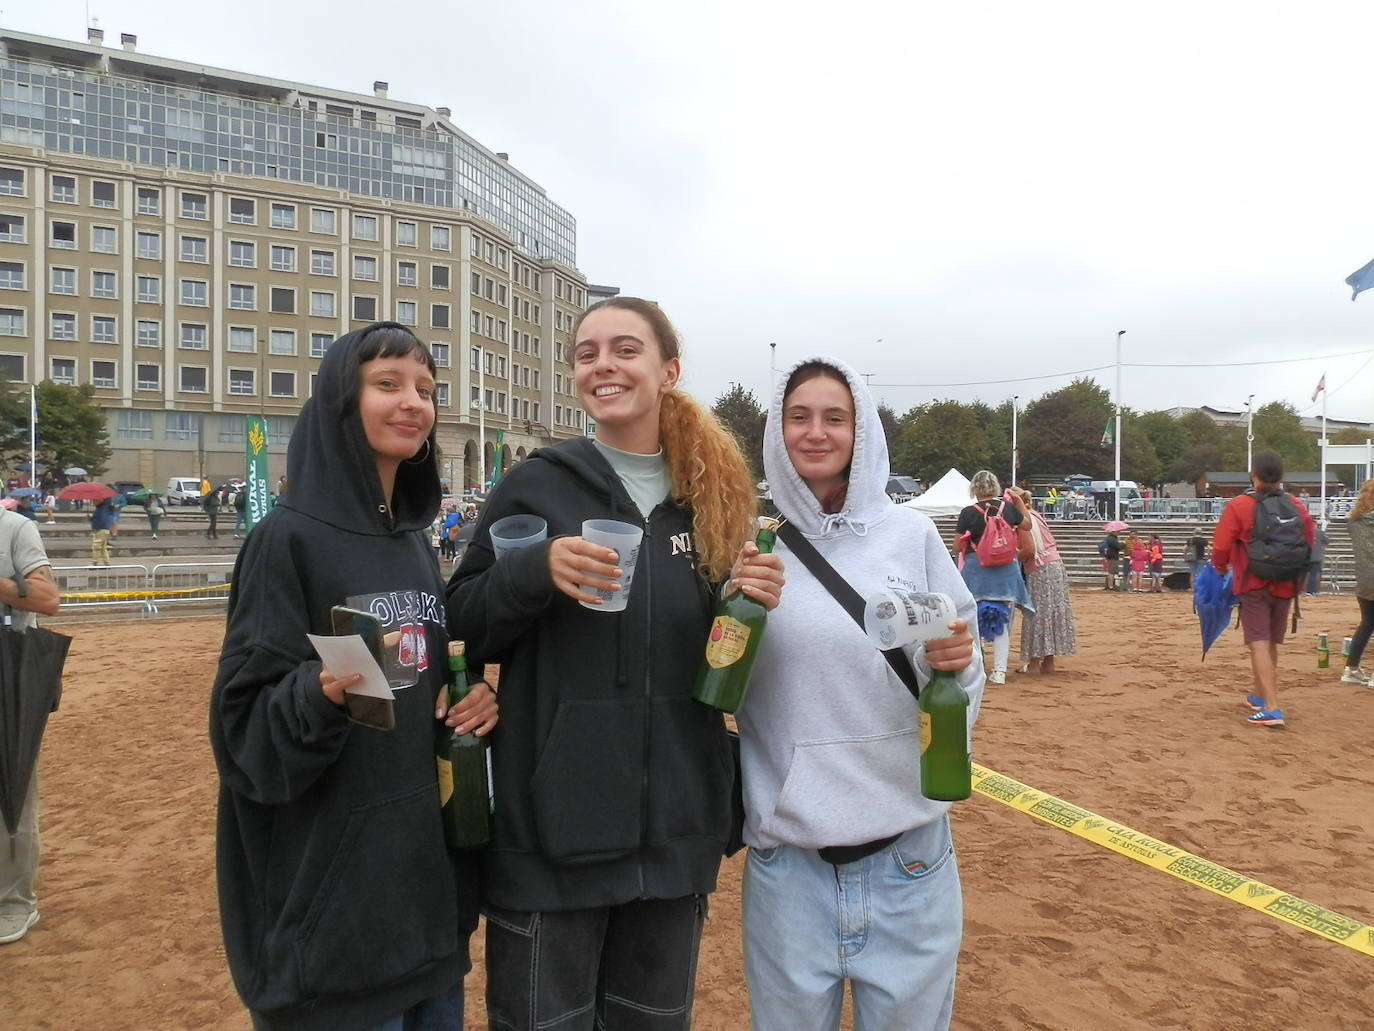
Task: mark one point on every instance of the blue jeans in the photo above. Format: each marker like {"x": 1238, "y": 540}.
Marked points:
{"x": 890, "y": 924}
{"x": 441, "y": 1013}
{"x": 630, "y": 967}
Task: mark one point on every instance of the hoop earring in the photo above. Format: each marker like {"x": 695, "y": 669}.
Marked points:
{"x": 412, "y": 460}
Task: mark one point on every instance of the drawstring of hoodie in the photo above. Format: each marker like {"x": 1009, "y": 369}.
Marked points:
{"x": 839, "y": 520}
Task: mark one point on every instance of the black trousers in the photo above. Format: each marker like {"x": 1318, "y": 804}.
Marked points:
{"x": 1360, "y": 637}
{"x": 630, "y": 967}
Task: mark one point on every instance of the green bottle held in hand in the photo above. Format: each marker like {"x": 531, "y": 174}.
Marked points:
{"x": 734, "y": 639}
{"x": 946, "y": 740}
{"x": 464, "y": 769}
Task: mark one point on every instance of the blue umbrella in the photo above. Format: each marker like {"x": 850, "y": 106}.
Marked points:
{"x": 26, "y": 492}
{"x": 1212, "y": 601}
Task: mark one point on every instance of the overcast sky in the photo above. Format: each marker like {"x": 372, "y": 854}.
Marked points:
{"x": 938, "y": 193}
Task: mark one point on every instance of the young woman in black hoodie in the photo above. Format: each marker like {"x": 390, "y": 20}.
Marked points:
{"x": 612, "y": 784}
{"x": 340, "y": 904}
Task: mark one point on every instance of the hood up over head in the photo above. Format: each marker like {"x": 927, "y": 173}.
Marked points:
{"x": 866, "y": 503}
{"x": 331, "y": 468}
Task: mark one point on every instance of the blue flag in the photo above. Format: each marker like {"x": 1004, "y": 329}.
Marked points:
{"x": 1361, "y": 280}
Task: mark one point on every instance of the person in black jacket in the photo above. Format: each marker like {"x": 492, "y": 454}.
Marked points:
{"x": 341, "y": 906}
{"x": 612, "y": 784}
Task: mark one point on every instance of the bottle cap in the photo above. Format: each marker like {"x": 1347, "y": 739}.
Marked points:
{"x": 455, "y": 649}
{"x": 769, "y": 524}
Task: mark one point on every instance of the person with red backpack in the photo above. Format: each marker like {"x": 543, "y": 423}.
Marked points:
{"x": 992, "y": 538}
{"x": 1265, "y": 537}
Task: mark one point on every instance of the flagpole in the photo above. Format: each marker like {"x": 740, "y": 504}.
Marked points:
{"x": 33, "y": 436}
{"x": 1116, "y": 485}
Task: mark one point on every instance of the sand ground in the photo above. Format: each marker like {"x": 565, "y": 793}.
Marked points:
{"x": 1059, "y": 934}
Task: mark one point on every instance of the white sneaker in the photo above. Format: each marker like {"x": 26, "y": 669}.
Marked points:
{"x": 1356, "y": 676}
{"x": 997, "y": 676}
{"x": 14, "y": 926}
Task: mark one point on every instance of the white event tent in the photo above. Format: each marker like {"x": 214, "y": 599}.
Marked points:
{"x": 948, "y": 496}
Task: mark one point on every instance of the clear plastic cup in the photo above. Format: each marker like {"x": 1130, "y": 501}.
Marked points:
{"x": 624, "y": 539}
{"x": 517, "y": 531}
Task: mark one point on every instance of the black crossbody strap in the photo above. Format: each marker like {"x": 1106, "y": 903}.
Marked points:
{"x": 848, "y": 599}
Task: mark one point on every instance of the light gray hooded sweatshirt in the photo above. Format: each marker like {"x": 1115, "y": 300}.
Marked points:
{"x": 830, "y": 740}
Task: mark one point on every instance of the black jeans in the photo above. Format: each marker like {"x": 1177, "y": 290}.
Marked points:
{"x": 630, "y": 967}
{"x": 1360, "y": 637}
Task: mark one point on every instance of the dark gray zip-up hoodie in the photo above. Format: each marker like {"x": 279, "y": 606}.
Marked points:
{"x": 612, "y": 784}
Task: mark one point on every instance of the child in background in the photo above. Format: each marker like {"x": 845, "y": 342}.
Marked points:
{"x": 1155, "y": 554}
{"x": 1139, "y": 559}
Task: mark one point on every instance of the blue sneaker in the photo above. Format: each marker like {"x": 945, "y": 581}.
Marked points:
{"x": 1254, "y": 701}
{"x": 1266, "y": 718}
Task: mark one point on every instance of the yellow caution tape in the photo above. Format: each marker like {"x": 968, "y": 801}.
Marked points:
{"x": 75, "y": 596}
{"x": 1174, "y": 861}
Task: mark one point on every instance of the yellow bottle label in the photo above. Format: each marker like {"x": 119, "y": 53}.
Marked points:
{"x": 445, "y": 780}
{"x": 726, "y": 643}
{"x": 925, "y": 732}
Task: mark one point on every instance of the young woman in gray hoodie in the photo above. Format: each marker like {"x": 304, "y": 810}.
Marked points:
{"x": 844, "y": 849}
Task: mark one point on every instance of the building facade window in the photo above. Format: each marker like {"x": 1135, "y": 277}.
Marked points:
{"x": 438, "y": 316}
{"x": 242, "y": 338}
{"x": 243, "y": 253}
{"x": 439, "y": 238}
{"x": 407, "y": 273}
{"x": 11, "y": 275}
{"x": 365, "y": 268}
{"x": 134, "y": 424}
{"x": 322, "y": 263}
{"x": 148, "y": 246}
{"x": 102, "y": 194}
{"x": 438, "y": 277}
{"x": 62, "y": 326}
{"x": 148, "y": 333}
{"x": 149, "y": 202}
{"x": 149, "y": 289}
{"x": 282, "y": 300}
{"x": 62, "y": 281}
{"x": 282, "y": 384}
{"x": 242, "y": 381}
{"x": 12, "y": 325}
{"x": 194, "y": 205}
{"x": 406, "y": 234}
{"x": 283, "y": 258}
{"x": 364, "y": 309}
{"x": 283, "y": 216}
{"x": 63, "y": 236}
{"x": 365, "y": 227}
{"x": 242, "y": 211}
{"x": 243, "y": 296}
{"x": 319, "y": 343}
{"x": 282, "y": 341}
{"x": 194, "y": 336}
{"x": 195, "y": 249}
{"x": 63, "y": 190}
{"x": 103, "y": 284}
{"x": 440, "y": 353}
{"x": 324, "y": 221}
{"x": 12, "y": 182}
{"x": 181, "y": 425}
{"x": 63, "y": 370}
{"x": 102, "y": 329}
{"x": 103, "y": 374}
{"x": 192, "y": 379}
{"x": 322, "y": 304}
{"x": 11, "y": 228}
{"x": 406, "y": 313}
{"x": 147, "y": 376}
{"x": 104, "y": 239}
{"x": 195, "y": 293}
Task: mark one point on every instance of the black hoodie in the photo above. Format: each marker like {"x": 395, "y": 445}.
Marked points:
{"x": 340, "y": 905}
{"x": 612, "y": 784}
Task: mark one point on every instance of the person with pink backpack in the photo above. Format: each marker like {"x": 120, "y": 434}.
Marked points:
{"x": 992, "y": 538}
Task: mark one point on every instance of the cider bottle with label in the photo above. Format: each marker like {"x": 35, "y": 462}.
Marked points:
{"x": 946, "y": 739}
{"x": 464, "y": 769}
{"x": 733, "y": 641}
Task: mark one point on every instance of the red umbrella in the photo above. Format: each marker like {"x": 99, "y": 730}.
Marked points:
{"x": 86, "y": 492}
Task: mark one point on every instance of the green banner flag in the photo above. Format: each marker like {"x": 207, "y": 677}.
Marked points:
{"x": 255, "y": 471}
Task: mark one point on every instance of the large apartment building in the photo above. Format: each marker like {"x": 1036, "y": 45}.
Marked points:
{"x": 189, "y": 240}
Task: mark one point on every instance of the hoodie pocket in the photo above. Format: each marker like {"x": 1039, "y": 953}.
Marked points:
{"x": 387, "y": 904}
{"x": 692, "y": 774}
{"x": 846, "y": 791}
{"x": 588, "y": 786}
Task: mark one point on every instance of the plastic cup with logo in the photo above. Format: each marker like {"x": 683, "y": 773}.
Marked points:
{"x": 895, "y": 618}
{"x": 624, "y": 539}
{"x": 517, "y": 531}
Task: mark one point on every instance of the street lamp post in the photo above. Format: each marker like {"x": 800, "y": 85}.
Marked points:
{"x": 1116, "y": 485}
{"x": 1249, "y": 433}
{"x": 1014, "y": 399}
{"x": 773, "y": 367}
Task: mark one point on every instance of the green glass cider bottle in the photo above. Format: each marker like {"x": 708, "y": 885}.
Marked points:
{"x": 946, "y": 745}
{"x": 734, "y": 639}
{"x": 463, "y": 768}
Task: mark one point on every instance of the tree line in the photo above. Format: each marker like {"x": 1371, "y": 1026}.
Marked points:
{"x": 1062, "y": 432}
{"x": 71, "y": 427}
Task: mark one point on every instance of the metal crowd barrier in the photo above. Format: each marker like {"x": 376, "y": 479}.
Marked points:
{"x": 136, "y": 586}
{"x": 1197, "y": 510}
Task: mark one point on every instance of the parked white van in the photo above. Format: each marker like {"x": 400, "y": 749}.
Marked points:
{"x": 183, "y": 490}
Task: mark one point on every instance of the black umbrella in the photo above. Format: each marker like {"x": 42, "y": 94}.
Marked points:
{"x": 31, "y": 664}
